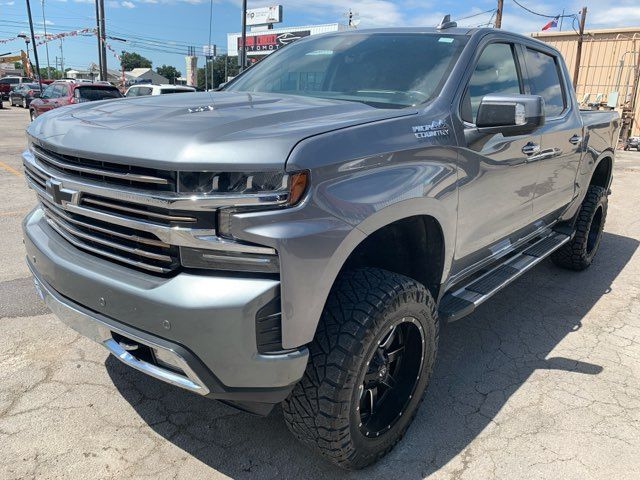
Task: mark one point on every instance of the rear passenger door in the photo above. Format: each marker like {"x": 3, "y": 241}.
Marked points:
{"x": 561, "y": 141}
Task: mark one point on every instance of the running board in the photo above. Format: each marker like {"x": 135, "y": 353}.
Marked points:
{"x": 464, "y": 299}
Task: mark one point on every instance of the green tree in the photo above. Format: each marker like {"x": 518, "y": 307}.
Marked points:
{"x": 217, "y": 67}
{"x": 54, "y": 73}
{"x": 17, "y": 65}
{"x": 169, "y": 72}
{"x": 131, "y": 60}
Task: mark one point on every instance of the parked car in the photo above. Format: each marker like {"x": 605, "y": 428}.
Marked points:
{"x": 142, "y": 90}
{"x": 23, "y": 94}
{"x": 8, "y": 83}
{"x": 300, "y": 236}
{"x": 632, "y": 142}
{"x": 64, "y": 92}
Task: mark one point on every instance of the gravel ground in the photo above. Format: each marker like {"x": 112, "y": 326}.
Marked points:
{"x": 541, "y": 382}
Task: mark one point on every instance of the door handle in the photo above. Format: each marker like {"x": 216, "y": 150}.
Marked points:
{"x": 531, "y": 149}
{"x": 576, "y": 139}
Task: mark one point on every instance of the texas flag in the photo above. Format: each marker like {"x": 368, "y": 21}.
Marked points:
{"x": 550, "y": 24}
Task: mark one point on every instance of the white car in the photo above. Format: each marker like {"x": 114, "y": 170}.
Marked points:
{"x": 148, "y": 89}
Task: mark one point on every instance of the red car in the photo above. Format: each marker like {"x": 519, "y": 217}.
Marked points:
{"x": 62, "y": 93}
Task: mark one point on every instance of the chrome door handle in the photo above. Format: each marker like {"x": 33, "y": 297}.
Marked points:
{"x": 576, "y": 139}
{"x": 531, "y": 149}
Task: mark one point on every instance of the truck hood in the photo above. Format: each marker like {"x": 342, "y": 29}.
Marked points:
{"x": 199, "y": 131}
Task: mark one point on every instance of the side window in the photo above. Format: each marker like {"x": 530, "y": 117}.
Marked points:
{"x": 544, "y": 80}
{"x": 495, "y": 72}
{"x": 58, "y": 91}
{"x": 132, "y": 92}
{"x": 48, "y": 92}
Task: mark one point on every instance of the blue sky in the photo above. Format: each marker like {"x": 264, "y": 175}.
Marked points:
{"x": 161, "y": 29}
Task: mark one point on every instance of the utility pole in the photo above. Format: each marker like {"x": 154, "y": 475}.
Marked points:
{"x": 61, "y": 58}
{"x": 46, "y": 41}
{"x": 243, "y": 52}
{"x": 98, "y": 35}
{"x": 498, "y": 23}
{"x": 561, "y": 18}
{"x": 576, "y": 70}
{"x": 33, "y": 40}
{"x": 103, "y": 45}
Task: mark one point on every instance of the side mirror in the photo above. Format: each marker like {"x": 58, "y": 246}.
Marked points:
{"x": 222, "y": 85}
{"x": 510, "y": 113}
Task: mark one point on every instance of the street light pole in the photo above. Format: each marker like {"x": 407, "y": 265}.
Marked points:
{"x": 46, "y": 41}
{"x": 243, "y": 57}
{"x": 33, "y": 40}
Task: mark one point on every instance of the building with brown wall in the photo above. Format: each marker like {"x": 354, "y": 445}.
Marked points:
{"x": 609, "y": 69}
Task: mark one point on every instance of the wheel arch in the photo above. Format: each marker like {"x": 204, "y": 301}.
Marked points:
{"x": 602, "y": 173}
{"x": 426, "y": 216}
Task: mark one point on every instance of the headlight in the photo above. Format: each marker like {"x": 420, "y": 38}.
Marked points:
{"x": 273, "y": 189}
{"x": 239, "y": 183}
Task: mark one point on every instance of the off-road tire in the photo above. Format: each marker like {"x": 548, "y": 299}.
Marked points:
{"x": 578, "y": 253}
{"x": 321, "y": 410}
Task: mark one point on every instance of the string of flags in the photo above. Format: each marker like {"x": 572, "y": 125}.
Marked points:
{"x": 72, "y": 33}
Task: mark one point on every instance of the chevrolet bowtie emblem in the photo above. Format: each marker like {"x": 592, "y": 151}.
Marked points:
{"x": 58, "y": 194}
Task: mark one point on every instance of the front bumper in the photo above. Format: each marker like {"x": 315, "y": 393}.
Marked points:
{"x": 203, "y": 325}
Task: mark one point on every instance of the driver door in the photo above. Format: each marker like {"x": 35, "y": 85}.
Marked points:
{"x": 496, "y": 180}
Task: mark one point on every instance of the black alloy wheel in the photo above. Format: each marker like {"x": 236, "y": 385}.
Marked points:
{"x": 393, "y": 371}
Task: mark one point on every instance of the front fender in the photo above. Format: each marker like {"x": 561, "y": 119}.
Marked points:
{"x": 349, "y": 199}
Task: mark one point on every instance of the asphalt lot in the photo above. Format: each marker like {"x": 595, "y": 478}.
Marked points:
{"x": 542, "y": 382}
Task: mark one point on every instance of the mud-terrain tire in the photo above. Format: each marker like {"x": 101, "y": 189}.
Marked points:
{"x": 580, "y": 251}
{"x": 370, "y": 315}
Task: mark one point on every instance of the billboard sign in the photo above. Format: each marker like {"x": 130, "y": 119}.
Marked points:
{"x": 209, "y": 50}
{"x": 270, "y": 42}
{"x": 264, "y": 15}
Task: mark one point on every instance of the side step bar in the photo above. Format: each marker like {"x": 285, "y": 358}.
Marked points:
{"x": 464, "y": 299}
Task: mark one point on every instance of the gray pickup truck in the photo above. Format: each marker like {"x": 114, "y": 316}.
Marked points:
{"x": 300, "y": 236}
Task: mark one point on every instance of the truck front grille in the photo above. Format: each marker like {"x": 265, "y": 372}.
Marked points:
{"x": 131, "y": 215}
{"x": 110, "y": 228}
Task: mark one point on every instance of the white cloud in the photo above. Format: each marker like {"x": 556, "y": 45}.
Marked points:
{"x": 128, "y": 4}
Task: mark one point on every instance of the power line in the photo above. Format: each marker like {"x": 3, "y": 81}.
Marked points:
{"x": 542, "y": 14}
{"x": 475, "y": 15}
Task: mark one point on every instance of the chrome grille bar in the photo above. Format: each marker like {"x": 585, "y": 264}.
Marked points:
{"x": 84, "y": 246}
{"x": 77, "y": 233}
{"x": 59, "y": 162}
{"x": 132, "y": 238}
{"x": 137, "y": 211}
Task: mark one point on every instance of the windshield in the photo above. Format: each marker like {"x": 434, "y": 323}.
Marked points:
{"x": 384, "y": 70}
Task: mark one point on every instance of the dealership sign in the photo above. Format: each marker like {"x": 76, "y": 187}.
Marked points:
{"x": 264, "y": 15}
{"x": 270, "y": 42}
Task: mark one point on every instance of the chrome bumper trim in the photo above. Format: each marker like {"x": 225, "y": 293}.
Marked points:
{"x": 98, "y": 330}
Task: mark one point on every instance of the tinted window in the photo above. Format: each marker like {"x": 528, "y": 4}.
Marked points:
{"x": 544, "y": 80}
{"x": 173, "y": 90}
{"x": 11, "y": 81}
{"x": 97, "y": 93}
{"x": 495, "y": 72}
{"x": 383, "y": 70}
